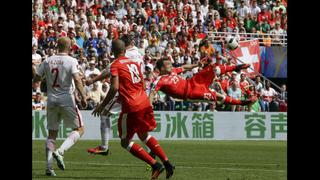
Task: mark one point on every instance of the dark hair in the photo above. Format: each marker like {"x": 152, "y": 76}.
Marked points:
{"x": 160, "y": 62}
{"x": 127, "y": 39}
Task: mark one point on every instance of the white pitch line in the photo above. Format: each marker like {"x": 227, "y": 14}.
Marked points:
{"x": 186, "y": 167}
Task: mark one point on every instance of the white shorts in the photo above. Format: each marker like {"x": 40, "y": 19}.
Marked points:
{"x": 70, "y": 115}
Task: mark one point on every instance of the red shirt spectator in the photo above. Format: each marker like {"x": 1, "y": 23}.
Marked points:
{"x": 171, "y": 14}
{"x": 187, "y": 8}
{"x": 264, "y": 14}
{"x": 148, "y": 9}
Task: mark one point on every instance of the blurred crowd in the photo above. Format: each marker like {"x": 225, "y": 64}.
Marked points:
{"x": 176, "y": 29}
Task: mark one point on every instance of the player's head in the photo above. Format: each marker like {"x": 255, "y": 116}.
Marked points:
{"x": 127, "y": 39}
{"x": 164, "y": 65}
{"x": 118, "y": 48}
{"x": 64, "y": 44}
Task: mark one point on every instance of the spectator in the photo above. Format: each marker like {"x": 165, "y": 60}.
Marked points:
{"x": 212, "y": 107}
{"x": 277, "y": 31}
{"x": 119, "y": 10}
{"x": 244, "y": 84}
{"x": 207, "y": 48}
{"x": 38, "y": 103}
{"x": 92, "y": 68}
{"x": 235, "y": 92}
{"x": 94, "y": 96}
{"x": 264, "y": 14}
{"x": 249, "y": 23}
{"x": 205, "y": 7}
{"x": 265, "y": 27}
{"x": 36, "y": 58}
{"x": 243, "y": 10}
{"x": 153, "y": 48}
{"x": 255, "y": 9}
{"x": 268, "y": 95}
{"x": 36, "y": 88}
{"x": 279, "y": 7}
{"x": 283, "y": 98}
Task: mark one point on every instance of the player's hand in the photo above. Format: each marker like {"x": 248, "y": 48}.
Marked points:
{"x": 241, "y": 66}
{"x": 97, "y": 111}
{"x": 84, "y": 103}
{"x": 203, "y": 61}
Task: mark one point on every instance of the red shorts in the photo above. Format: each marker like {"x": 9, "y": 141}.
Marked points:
{"x": 136, "y": 122}
{"x": 198, "y": 85}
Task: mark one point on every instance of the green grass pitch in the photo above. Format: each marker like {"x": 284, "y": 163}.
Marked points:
{"x": 194, "y": 160}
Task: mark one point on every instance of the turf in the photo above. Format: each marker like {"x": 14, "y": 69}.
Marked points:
{"x": 194, "y": 160}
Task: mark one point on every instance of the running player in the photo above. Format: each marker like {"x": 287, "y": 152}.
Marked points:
{"x": 114, "y": 106}
{"x": 136, "y": 115}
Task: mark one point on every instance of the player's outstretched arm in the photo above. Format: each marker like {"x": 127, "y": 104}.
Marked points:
{"x": 79, "y": 86}
{"x": 100, "y": 77}
{"x": 189, "y": 67}
{"x": 114, "y": 87}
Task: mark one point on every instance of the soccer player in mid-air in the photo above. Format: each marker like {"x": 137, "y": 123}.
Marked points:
{"x": 137, "y": 114}
{"x": 62, "y": 74}
{"x": 195, "y": 88}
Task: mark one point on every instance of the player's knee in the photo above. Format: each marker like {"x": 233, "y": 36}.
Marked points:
{"x": 142, "y": 136}
{"x": 52, "y": 134}
{"x": 80, "y": 130}
{"x": 124, "y": 143}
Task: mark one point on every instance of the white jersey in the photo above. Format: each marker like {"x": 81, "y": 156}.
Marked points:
{"x": 58, "y": 70}
{"x": 114, "y": 106}
{"x": 134, "y": 54}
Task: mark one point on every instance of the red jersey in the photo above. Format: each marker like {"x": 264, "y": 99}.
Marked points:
{"x": 169, "y": 83}
{"x": 131, "y": 89}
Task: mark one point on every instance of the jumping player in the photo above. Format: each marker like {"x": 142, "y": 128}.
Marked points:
{"x": 137, "y": 114}
{"x": 195, "y": 88}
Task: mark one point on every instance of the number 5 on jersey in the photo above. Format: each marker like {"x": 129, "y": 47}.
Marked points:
{"x": 134, "y": 73}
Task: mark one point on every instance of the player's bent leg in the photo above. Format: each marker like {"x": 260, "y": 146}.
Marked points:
{"x": 153, "y": 144}
{"x": 73, "y": 137}
{"x": 152, "y": 154}
{"x": 137, "y": 151}
{"x": 155, "y": 147}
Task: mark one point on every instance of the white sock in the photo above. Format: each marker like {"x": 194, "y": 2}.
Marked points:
{"x": 105, "y": 127}
{"x": 50, "y": 147}
{"x": 73, "y": 137}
